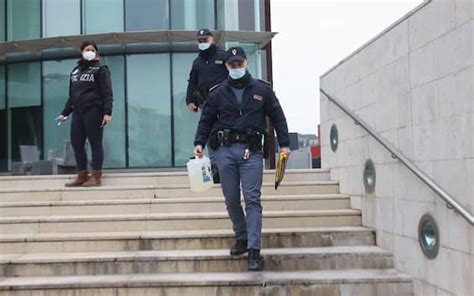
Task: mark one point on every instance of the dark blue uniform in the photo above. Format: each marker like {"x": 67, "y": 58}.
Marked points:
{"x": 222, "y": 111}
{"x": 239, "y": 113}
{"x": 207, "y": 71}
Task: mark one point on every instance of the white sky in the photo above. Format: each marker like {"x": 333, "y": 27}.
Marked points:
{"x": 315, "y": 35}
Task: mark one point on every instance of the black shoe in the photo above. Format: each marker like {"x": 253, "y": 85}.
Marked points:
{"x": 215, "y": 174}
{"x": 255, "y": 261}
{"x": 239, "y": 248}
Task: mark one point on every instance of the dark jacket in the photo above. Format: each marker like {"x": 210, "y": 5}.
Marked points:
{"x": 89, "y": 85}
{"x": 222, "y": 111}
{"x": 208, "y": 70}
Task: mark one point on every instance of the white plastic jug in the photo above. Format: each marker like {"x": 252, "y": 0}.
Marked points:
{"x": 200, "y": 174}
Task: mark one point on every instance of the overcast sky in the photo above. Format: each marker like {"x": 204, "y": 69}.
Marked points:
{"x": 313, "y": 36}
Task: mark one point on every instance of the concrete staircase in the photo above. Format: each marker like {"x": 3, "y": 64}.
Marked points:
{"x": 147, "y": 234}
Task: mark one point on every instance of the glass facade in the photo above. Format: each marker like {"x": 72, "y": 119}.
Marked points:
{"x": 23, "y": 19}
{"x": 2, "y": 20}
{"x": 192, "y": 14}
{"x": 151, "y": 125}
{"x": 61, "y": 17}
{"x": 24, "y": 103}
{"x": 96, "y": 21}
{"x": 144, "y": 15}
{"x": 149, "y": 110}
{"x": 3, "y": 123}
{"x": 184, "y": 122}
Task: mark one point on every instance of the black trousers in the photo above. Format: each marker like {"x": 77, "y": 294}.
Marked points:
{"x": 84, "y": 126}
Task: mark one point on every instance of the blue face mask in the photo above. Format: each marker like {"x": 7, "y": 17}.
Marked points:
{"x": 237, "y": 73}
{"x": 204, "y": 46}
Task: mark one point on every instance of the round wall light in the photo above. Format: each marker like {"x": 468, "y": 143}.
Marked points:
{"x": 369, "y": 176}
{"x": 428, "y": 236}
{"x": 334, "y": 137}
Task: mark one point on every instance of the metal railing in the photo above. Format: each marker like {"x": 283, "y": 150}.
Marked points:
{"x": 451, "y": 202}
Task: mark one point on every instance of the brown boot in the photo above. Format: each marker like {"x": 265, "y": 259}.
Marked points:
{"x": 80, "y": 179}
{"x": 94, "y": 180}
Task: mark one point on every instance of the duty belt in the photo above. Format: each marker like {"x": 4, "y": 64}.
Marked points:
{"x": 227, "y": 138}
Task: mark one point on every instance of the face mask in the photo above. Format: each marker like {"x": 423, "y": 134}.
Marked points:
{"x": 88, "y": 55}
{"x": 237, "y": 73}
{"x": 204, "y": 46}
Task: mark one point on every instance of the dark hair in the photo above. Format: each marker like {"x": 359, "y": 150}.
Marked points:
{"x": 87, "y": 43}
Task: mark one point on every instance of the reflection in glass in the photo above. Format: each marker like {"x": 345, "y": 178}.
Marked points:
{"x": 96, "y": 21}
{"x": 185, "y": 122}
{"x": 192, "y": 14}
{"x": 56, "y": 93}
{"x": 2, "y": 20}
{"x": 24, "y": 87}
{"x": 61, "y": 18}
{"x": 149, "y": 110}
{"x": 3, "y": 122}
{"x": 114, "y": 135}
{"x": 23, "y": 19}
{"x": 142, "y": 15}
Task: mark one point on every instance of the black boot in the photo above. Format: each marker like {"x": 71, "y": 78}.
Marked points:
{"x": 239, "y": 248}
{"x": 215, "y": 174}
{"x": 255, "y": 261}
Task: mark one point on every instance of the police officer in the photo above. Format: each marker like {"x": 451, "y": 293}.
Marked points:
{"x": 208, "y": 70}
{"x": 90, "y": 102}
{"x": 234, "y": 118}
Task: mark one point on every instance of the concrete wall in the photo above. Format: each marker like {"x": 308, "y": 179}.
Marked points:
{"x": 414, "y": 84}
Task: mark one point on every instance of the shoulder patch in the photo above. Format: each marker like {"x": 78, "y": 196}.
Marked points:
{"x": 214, "y": 87}
{"x": 266, "y": 82}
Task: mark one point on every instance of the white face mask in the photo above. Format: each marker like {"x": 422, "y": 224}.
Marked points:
{"x": 88, "y": 55}
{"x": 204, "y": 46}
{"x": 237, "y": 73}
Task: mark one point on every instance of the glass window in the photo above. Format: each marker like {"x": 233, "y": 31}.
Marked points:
{"x": 227, "y": 18}
{"x": 247, "y": 15}
{"x": 23, "y": 19}
{"x": 2, "y": 88}
{"x": 142, "y": 15}
{"x": 254, "y": 57}
{"x": 24, "y": 88}
{"x": 185, "y": 122}
{"x": 25, "y": 123}
{"x": 3, "y": 123}
{"x": 192, "y": 14}
{"x": 243, "y": 15}
{"x": 24, "y": 100}
{"x": 2, "y": 20}
{"x": 61, "y": 17}
{"x": 55, "y": 90}
{"x": 96, "y": 21}
{"x": 114, "y": 135}
{"x": 149, "y": 110}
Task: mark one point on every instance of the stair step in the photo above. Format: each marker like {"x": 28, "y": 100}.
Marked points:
{"x": 327, "y": 282}
{"x": 166, "y": 205}
{"x": 174, "y": 221}
{"x": 96, "y": 263}
{"x": 181, "y": 240}
{"x": 148, "y": 178}
{"x": 154, "y": 191}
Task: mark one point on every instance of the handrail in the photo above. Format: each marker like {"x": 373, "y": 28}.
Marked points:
{"x": 451, "y": 202}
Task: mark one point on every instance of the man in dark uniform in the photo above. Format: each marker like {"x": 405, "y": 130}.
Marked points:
{"x": 208, "y": 71}
{"x": 234, "y": 121}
